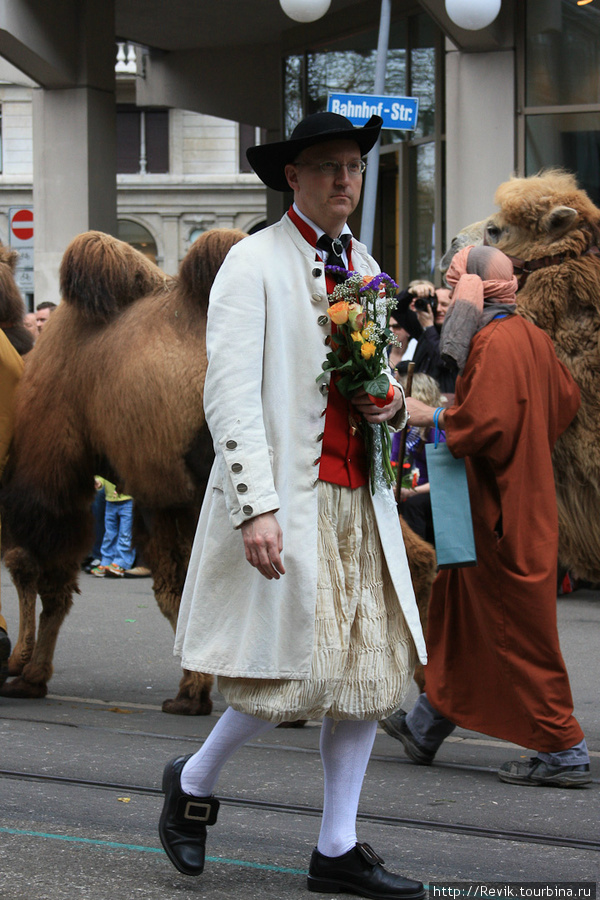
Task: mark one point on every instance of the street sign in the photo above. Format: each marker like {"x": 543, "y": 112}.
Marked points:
{"x": 398, "y": 113}
{"x": 20, "y": 226}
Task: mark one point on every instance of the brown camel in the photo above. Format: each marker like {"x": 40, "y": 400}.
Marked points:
{"x": 550, "y": 229}
{"x": 114, "y": 386}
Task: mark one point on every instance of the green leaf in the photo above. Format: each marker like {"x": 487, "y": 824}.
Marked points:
{"x": 378, "y": 387}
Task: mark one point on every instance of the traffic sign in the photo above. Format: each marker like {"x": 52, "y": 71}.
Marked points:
{"x": 21, "y": 226}
{"x": 398, "y": 113}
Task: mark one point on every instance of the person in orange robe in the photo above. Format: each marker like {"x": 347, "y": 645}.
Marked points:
{"x": 495, "y": 664}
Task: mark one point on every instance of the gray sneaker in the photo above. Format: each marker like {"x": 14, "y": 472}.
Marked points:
{"x": 395, "y": 725}
{"x": 536, "y": 772}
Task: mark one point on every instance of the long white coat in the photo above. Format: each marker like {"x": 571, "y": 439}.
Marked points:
{"x": 264, "y": 409}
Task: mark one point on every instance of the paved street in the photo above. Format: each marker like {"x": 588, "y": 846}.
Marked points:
{"x": 80, "y": 779}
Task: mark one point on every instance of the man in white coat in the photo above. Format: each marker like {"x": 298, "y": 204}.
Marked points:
{"x": 298, "y": 595}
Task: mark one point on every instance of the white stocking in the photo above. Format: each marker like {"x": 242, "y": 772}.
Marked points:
{"x": 345, "y": 750}
{"x": 201, "y": 772}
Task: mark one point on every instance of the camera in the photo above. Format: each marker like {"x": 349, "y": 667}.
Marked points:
{"x": 424, "y": 303}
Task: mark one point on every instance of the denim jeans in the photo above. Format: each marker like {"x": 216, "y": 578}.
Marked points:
{"x": 116, "y": 545}
{"x": 429, "y": 728}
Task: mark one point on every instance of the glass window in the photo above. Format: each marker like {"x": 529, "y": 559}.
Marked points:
{"x": 562, "y": 52}
{"x": 422, "y": 223}
{"x": 142, "y": 140}
{"x": 138, "y": 236}
{"x": 570, "y": 140}
{"x": 346, "y": 66}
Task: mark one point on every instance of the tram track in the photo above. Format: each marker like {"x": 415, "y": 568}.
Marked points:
{"x": 530, "y": 837}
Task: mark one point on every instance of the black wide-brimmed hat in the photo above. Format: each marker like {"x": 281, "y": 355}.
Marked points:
{"x": 269, "y": 160}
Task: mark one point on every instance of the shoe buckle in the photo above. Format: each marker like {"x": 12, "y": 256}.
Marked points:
{"x": 369, "y": 854}
{"x": 198, "y": 812}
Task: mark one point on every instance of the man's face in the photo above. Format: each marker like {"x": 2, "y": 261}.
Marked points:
{"x": 443, "y": 302}
{"x": 326, "y": 199}
{"x": 41, "y": 317}
{"x": 30, "y": 323}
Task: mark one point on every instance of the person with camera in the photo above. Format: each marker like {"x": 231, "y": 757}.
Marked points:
{"x": 429, "y": 306}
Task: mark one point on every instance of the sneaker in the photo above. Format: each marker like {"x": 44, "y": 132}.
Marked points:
{"x": 114, "y": 571}
{"x": 98, "y": 571}
{"x": 536, "y": 772}
{"x": 395, "y": 725}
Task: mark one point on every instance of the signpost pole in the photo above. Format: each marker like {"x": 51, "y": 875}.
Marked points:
{"x": 367, "y": 225}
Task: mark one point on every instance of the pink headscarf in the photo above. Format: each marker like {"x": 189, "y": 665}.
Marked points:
{"x": 478, "y": 273}
{"x": 483, "y": 286}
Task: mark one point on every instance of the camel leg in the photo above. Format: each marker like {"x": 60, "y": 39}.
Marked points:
{"x": 166, "y": 541}
{"x": 56, "y": 596}
{"x": 23, "y": 573}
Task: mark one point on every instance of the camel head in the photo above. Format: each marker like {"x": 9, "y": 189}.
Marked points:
{"x": 472, "y": 234}
{"x": 544, "y": 215}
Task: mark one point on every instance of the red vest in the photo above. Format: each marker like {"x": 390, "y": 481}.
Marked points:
{"x": 343, "y": 455}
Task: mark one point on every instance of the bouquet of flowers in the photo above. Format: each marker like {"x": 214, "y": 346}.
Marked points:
{"x": 360, "y": 311}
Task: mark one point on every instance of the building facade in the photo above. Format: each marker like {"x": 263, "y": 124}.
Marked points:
{"x": 516, "y": 96}
{"x": 179, "y": 173}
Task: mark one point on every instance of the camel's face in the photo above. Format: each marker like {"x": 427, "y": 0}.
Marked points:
{"x": 553, "y": 232}
{"x": 472, "y": 234}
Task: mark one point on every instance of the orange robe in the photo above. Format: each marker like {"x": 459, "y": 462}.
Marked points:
{"x": 495, "y": 664}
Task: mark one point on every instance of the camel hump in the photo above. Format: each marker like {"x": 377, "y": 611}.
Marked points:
{"x": 203, "y": 260}
{"x": 101, "y": 275}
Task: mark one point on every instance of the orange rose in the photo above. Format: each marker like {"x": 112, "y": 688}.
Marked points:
{"x": 338, "y": 312}
{"x": 367, "y": 350}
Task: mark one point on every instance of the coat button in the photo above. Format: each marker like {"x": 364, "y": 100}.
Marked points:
{"x": 324, "y": 388}
{"x": 327, "y": 340}
{"x": 247, "y": 510}
{"x": 242, "y": 488}
{"x": 321, "y": 436}
{"x": 237, "y": 467}
{"x": 323, "y": 320}
{"x": 231, "y": 445}
{"x": 317, "y": 298}
{"x": 323, "y": 411}
{"x": 317, "y": 461}
{"x": 316, "y": 272}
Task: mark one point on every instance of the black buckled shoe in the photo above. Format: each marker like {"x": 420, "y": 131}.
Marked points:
{"x": 183, "y": 821}
{"x": 395, "y": 725}
{"x": 361, "y": 872}
{"x": 537, "y": 772}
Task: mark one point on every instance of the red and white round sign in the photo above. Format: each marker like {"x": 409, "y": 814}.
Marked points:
{"x": 21, "y": 226}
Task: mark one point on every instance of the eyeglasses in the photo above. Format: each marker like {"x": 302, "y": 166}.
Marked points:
{"x": 333, "y": 168}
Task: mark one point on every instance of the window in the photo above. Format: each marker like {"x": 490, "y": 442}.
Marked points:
{"x": 142, "y": 140}
{"x": 560, "y": 124}
{"x": 138, "y": 236}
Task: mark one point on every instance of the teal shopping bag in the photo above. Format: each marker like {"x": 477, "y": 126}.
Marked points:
{"x": 450, "y": 507}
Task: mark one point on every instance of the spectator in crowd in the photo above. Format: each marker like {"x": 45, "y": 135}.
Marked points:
{"x": 416, "y": 499}
{"x": 43, "y": 312}
{"x": 30, "y": 323}
{"x": 117, "y": 554}
{"x": 11, "y": 368}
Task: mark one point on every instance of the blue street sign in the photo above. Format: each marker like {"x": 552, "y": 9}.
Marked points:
{"x": 398, "y": 113}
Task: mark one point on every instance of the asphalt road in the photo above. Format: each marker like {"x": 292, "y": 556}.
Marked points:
{"x": 80, "y": 776}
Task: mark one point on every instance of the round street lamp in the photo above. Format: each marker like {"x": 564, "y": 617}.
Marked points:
{"x": 472, "y": 14}
{"x": 305, "y": 10}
